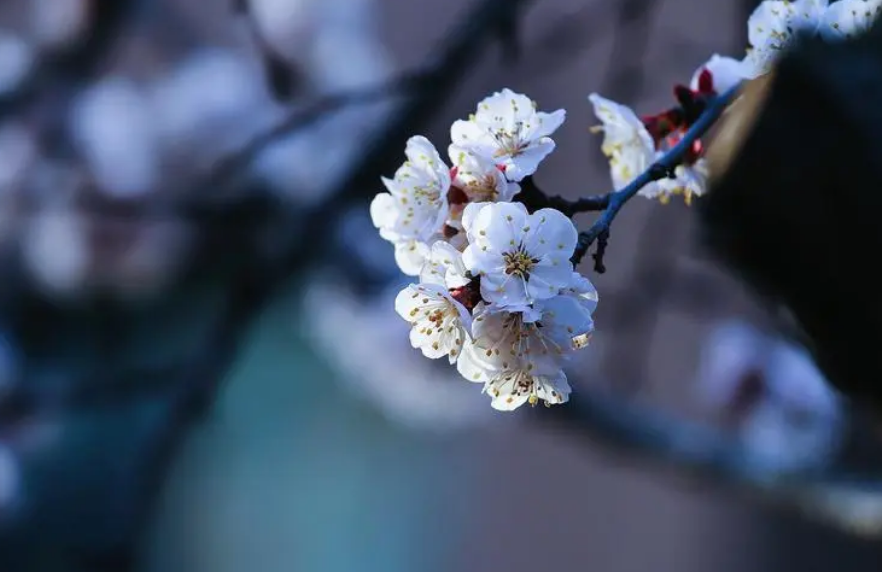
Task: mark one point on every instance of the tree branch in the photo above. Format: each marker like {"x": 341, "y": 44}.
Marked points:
{"x": 849, "y": 503}
{"x": 600, "y": 230}
{"x": 534, "y": 199}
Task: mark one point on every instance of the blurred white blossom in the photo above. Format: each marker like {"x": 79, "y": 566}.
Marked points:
{"x": 332, "y": 46}
{"x": 117, "y": 137}
{"x": 17, "y": 59}
{"x": 19, "y": 153}
{"x": 773, "y": 395}
{"x": 773, "y": 25}
{"x": 213, "y": 100}
{"x": 56, "y": 252}
{"x": 379, "y": 364}
{"x": 58, "y": 23}
{"x": 847, "y": 18}
{"x": 626, "y": 143}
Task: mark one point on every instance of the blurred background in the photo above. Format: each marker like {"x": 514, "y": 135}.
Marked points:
{"x": 200, "y": 368}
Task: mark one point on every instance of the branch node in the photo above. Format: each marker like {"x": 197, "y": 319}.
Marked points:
{"x": 602, "y": 242}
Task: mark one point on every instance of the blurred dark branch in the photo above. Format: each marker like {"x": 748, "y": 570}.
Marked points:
{"x": 264, "y": 276}
{"x": 58, "y": 75}
{"x": 228, "y": 169}
{"x": 662, "y": 168}
{"x": 258, "y": 267}
{"x": 852, "y": 504}
{"x": 281, "y": 77}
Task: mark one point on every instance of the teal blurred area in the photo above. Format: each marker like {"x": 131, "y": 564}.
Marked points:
{"x": 288, "y": 472}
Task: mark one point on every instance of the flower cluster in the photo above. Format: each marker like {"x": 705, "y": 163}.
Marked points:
{"x": 633, "y": 143}
{"x": 497, "y": 293}
{"x": 774, "y": 23}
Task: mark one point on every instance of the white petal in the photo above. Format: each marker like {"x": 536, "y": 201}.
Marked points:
{"x": 527, "y": 161}
{"x": 410, "y": 255}
{"x": 726, "y": 72}
{"x": 504, "y": 108}
{"x": 807, "y": 14}
{"x": 550, "y": 231}
{"x": 547, "y": 279}
{"x": 584, "y": 291}
{"x": 848, "y": 18}
{"x": 421, "y": 152}
{"x": 469, "y": 214}
{"x": 384, "y": 214}
{"x": 553, "y": 389}
{"x": 565, "y": 318}
{"x": 495, "y": 345}
{"x": 413, "y": 300}
{"x": 504, "y": 393}
{"x": 444, "y": 266}
{"x": 548, "y": 123}
{"x": 468, "y": 134}
{"x": 510, "y": 391}
{"x": 504, "y": 291}
{"x": 769, "y": 21}
{"x": 497, "y": 227}
{"x": 626, "y": 142}
{"x": 470, "y": 365}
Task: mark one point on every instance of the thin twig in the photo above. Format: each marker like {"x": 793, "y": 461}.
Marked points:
{"x": 534, "y": 199}
{"x": 657, "y": 171}
{"x": 230, "y": 167}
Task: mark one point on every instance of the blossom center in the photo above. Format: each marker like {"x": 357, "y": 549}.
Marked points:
{"x": 519, "y": 263}
{"x": 431, "y": 192}
{"x": 510, "y": 141}
{"x": 436, "y": 317}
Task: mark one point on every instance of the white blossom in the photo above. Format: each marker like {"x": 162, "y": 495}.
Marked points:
{"x": 847, "y": 18}
{"x": 507, "y": 128}
{"x": 772, "y": 395}
{"x": 479, "y": 178}
{"x": 520, "y": 257}
{"x": 412, "y": 214}
{"x": 631, "y": 150}
{"x": 519, "y": 361}
{"x": 510, "y": 390}
{"x": 444, "y": 267}
{"x": 439, "y": 323}
{"x": 626, "y": 143}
